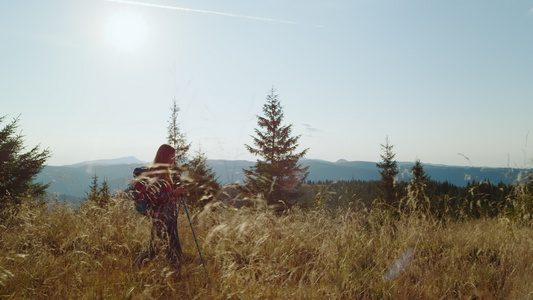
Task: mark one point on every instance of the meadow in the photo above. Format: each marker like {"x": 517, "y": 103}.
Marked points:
{"x": 54, "y": 251}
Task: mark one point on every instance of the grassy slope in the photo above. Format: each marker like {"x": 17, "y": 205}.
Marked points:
{"x": 62, "y": 253}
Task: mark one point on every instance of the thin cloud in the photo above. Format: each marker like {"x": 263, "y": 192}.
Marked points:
{"x": 200, "y": 11}
{"x": 309, "y": 128}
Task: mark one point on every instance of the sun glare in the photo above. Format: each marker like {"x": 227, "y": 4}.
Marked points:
{"x": 126, "y": 31}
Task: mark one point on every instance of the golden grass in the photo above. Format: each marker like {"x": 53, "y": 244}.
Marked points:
{"x": 253, "y": 253}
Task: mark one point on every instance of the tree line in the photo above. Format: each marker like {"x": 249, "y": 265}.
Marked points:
{"x": 279, "y": 178}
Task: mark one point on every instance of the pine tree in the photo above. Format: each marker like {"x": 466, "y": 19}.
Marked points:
{"x": 388, "y": 170}
{"x": 105, "y": 194}
{"x": 417, "y": 199}
{"x": 204, "y": 185}
{"x": 177, "y": 140}
{"x": 277, "y": 174}
{"x": 18, "y": 170}
{"x": 100, "y": 196}
{"x": 94, "y": 191}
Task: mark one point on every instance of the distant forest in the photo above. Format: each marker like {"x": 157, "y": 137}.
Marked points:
{"x": 477, "y": 199}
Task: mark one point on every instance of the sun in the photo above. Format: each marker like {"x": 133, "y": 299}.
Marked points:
{"x": 126, "y": 31}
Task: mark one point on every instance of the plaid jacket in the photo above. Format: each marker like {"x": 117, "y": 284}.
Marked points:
{"x": 163, "y": 200}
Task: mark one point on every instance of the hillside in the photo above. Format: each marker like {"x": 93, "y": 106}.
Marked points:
{"x": 73, "y": 181}
{"x": 61, "y": 253}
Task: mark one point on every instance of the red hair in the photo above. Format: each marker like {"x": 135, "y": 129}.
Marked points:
{"x": 163, "y": 160}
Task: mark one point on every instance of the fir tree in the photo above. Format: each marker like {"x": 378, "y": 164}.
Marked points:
{"x": 94, "y": 192}
{"x": 105, "y": 194}
{"x": 177, "y": 140}
{"x": 277, "y": 173}
{"x": 417, "y": 199}
{"x": 18, "y": 170}
{"x": 204, "y": 185}
{"x": 388, "y": 170}
{"x": 100, "y": 196}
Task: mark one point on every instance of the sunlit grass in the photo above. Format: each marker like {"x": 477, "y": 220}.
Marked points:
{"x": 250, "y": 253}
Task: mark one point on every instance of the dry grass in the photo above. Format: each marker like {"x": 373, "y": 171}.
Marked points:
{"x": 254, "y": 253}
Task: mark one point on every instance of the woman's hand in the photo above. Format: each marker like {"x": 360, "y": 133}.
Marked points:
{"x": 179, "y": 191}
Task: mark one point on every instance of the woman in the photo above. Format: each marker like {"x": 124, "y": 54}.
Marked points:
{"x": 163, "y": 196}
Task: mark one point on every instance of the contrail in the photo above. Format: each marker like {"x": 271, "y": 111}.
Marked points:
{"x": 199, "y": 11}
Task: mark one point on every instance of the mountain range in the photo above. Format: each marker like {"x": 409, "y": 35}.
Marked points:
{"x": 71, "y": 182}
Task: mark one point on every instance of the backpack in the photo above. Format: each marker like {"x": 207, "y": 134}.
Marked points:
{"x": 138, "y": 190}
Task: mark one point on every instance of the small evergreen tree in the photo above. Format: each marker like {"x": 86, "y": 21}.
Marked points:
{"x": 388, "y": 170}
{"x": 416, "y": 195}
{"x": 175, "y": 137}
{"x": 105, "y": 194}
{"x": 94, "y": 191}
{"x": 18, "y": 170}
{"x": 177, "y": 140}
{"x": 204, "y": 185}
{"x": 278, "y": 174}
{"x": 100, "y": 196}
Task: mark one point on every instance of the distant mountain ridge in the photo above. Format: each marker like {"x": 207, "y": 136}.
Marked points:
{"x": 73, "y": 181}
{"x": 108, "y": 162}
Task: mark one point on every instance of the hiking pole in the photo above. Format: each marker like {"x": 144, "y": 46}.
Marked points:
{"x": 182, "y": 198}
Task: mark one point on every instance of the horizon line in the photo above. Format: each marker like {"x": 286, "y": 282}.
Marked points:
{"x": 104, "y": 160}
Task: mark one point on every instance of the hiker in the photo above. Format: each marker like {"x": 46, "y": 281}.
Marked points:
{"x": 163, "y": 194}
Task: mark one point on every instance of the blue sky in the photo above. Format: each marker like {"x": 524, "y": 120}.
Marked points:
{"x": 444, "y": 80}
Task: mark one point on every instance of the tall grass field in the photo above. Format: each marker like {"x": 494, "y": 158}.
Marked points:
{"x": 56, "y": 252}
